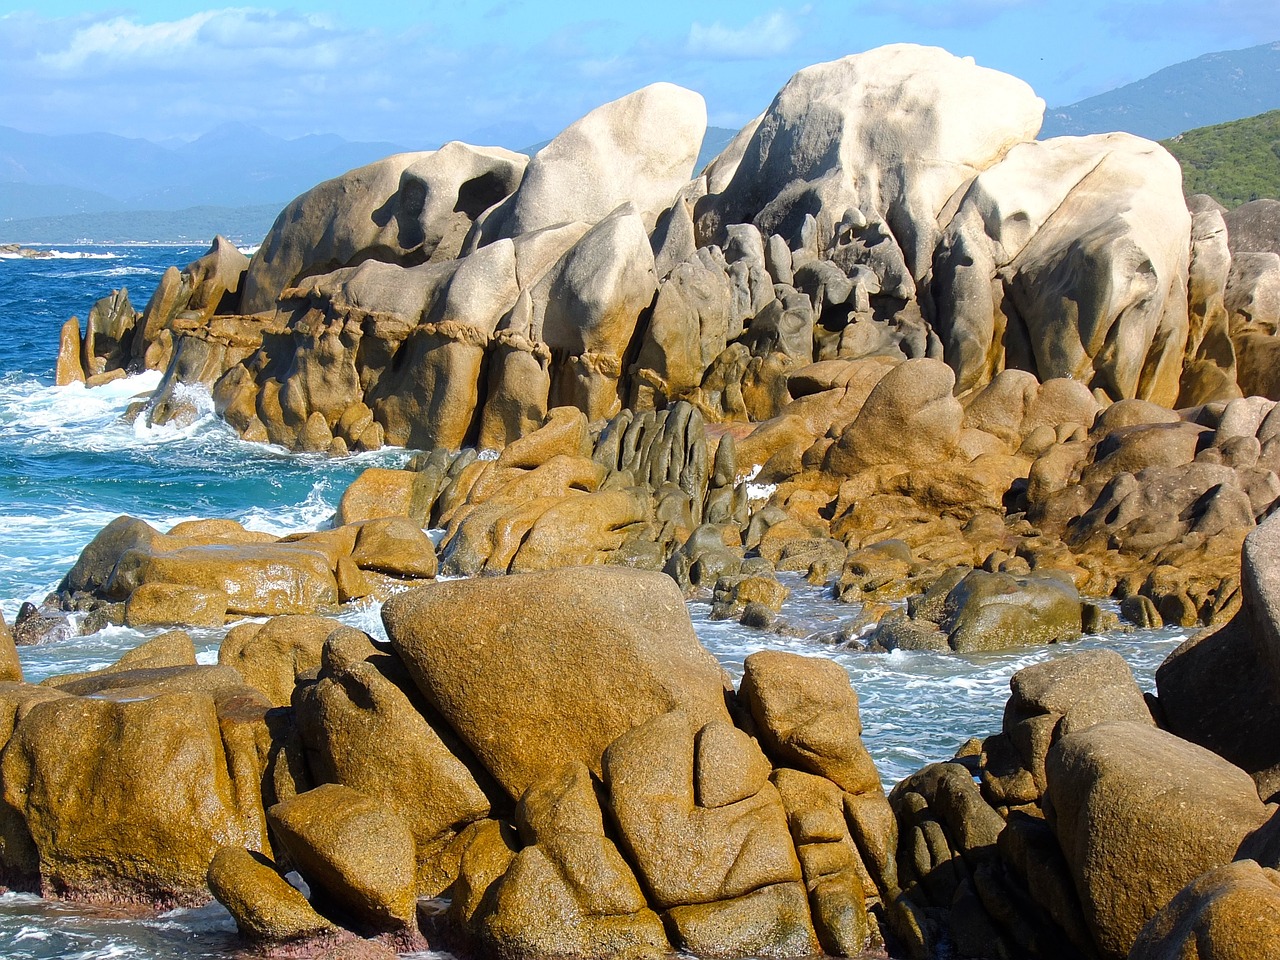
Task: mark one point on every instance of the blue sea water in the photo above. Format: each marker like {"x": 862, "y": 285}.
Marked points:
{"x": 69, "y": 464}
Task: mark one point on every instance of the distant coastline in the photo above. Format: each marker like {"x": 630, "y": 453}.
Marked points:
{"x": 241, "y": 225}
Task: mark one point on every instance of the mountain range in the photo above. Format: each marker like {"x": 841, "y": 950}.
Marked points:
{"x": 1208, "y": 90}
{"x": 58, "y": 189}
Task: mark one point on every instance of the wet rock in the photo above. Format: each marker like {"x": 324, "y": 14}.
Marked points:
{"x": 168, "y": 604}
{"x": 265, "y": 907}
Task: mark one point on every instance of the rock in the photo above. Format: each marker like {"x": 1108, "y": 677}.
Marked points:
{"x": 833, "y": 870}
{"x": 1139, "y": 814}
{"x": 726, "y": 878}
{"x": 172, "y": 649}
{"x": 355, "y": 853}
{"x": 265, "y": 907}
{"x": 380, "y": 492}
{"x": 992, "y": 611}
{"x": 569, "y": 892}
{"x": 1254, "y": 227}
{"x": 395, "y": 546}
{"x": 10, "y": 665}
{"x": 168, "y": 604}
{"x": 68, "y": 368}
{"x": 402, "y": 208}
{"x": 587, "y": 305}
{"x": 910, "y": 417}
{"x": 1071, "y": 213}
{"x": 640, "y": 148}
{"x": 510, "y": 699}
{"x": 365, "y": 728}
{"x": 270, "y": 656}
{"x": 807, "y": 714}
{"x": 1231, "y": 912}
{"x": 124, "y": 799}
{"x": 820, "y": 146}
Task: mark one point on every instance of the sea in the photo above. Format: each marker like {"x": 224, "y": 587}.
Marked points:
{"x": 70, "y": 463}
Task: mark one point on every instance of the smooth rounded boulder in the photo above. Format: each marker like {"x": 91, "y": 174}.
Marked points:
{"x": 538, "y": 670}
{"x": 1139, "y": 814}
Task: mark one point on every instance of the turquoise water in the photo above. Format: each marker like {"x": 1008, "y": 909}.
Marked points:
{"x": 69, "y": 465}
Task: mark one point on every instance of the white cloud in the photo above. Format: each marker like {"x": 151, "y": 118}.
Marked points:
{"x": 212, "y": 38}
{"x": 770, "y": 35}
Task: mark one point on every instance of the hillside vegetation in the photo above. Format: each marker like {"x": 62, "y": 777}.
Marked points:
{"x": 1232, "y": 162}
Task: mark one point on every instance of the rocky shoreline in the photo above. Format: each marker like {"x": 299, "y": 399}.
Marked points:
{"x": 969, "y": 381}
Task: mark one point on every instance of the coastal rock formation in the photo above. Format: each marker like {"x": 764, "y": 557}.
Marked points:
{"x": 451, "y": 298}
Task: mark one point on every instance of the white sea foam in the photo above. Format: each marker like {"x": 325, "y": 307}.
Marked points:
{"x": 250, "y": 250}
{"x": 61, "y": 255}
{"x": 313, "y": 513}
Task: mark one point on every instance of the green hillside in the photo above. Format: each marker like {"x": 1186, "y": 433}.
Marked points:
{"x": 1232, "y": 162}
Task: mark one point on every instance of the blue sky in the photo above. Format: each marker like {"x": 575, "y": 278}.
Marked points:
{"x": 418, "y": 74}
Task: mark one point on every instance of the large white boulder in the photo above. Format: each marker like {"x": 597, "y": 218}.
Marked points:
{"x": 1069, "y": 259}
{"x": 640, "y": 148}
{"x": 893, "y": 132}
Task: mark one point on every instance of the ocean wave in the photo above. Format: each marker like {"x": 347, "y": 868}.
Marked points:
{"x": 250, "y": 250}
{"x": 313, "y": 513}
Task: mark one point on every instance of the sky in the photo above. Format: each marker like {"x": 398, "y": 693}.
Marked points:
{"x": 514, "y": 72}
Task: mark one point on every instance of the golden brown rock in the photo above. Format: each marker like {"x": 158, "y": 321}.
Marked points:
{"x": 354, "y": 852}
{"x": 123, "y": 800}
{"x": 365, "y": 728}
{"x": 265, "y": 907}
{"x": 569, "y": 893}
{"x": 1139, "y": 814}
{"x": 502, "y": 659}
{"x": 687, "y": 853}
{"x": 271, "y": 655}
{"x": 1231, "y": 912}
{"x": 395, "y": 546}
{"x": 69, "y": 368}
{"x": 167, "y": 604}
{"x": 10, "y": 665}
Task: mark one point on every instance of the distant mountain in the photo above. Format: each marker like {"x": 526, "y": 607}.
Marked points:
{"x": 231, "y": 166}
{"x": 1232, "y": 162}
{"x": 1211, "y": 89}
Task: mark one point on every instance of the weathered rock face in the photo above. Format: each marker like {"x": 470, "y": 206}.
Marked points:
{"x": 356, "y": 852}
{"x": 640, "y": 148}
{"x": 10, "y": 666}
{"x": 1122, "y": 794}
{"x": 202, "y": 571}
{"x": 405, "y": 209}
{"x": 123, "y": 796}
{"x": 497, "y": 677}
{"x": 601, "y": 275}
{"x": 1094, "y": 228}
{"x": 364, "y": 726}
{"x": 1229, "y": 912}
{"x": 822, "y": 147}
